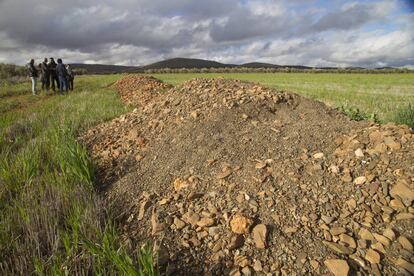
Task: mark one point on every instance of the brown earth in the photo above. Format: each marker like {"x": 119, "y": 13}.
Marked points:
{"x": 229, "y": 177}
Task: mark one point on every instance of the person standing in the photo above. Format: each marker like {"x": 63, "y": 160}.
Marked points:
{"x": 33, "y": 74}
{"x": 70, "y": 77}
{"x": 52, "y": 72}
{"x": 61, "y": 74}
{"x": 44, "y": 69}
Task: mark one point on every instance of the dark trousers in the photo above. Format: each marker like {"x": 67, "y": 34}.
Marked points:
{"x": 62, "y": 84}
{"x": 45, "y": 82}
{"x": 54, "y": 79}
{"x": 70, "y": 83}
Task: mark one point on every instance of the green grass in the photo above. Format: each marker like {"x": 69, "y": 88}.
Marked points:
{"x": 52, "y": 221}
{"x": 380, "y": 94}
{"x": 405, "y": 115}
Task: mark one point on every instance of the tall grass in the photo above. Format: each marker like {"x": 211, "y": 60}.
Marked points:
{"x": 405, "y": 115}
{"x": 51, "y": 219}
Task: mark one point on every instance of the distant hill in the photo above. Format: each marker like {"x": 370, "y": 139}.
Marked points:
{"x": 176, "y": 63}
{"x": 106, "y": 69}
{"x": 194, "y": 63}
{"x": 259, "y": 65}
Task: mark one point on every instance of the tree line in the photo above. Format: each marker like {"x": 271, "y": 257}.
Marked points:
{"x": 279, "y": 70}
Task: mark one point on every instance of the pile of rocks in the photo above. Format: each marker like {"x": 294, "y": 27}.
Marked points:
{"x": 231, "y": 177}
{"x": 135, "y": 89}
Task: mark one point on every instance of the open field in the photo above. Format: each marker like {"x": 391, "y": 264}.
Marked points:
{"x": 52, "y": 219}
{"x": 382, "y": 94}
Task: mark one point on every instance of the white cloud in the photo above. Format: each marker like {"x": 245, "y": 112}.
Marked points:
{"x": 133, "y": 32}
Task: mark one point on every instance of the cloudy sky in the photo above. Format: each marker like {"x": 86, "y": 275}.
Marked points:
{"x": 137, "y": 32}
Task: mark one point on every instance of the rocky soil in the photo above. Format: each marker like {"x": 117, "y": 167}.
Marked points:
{"x": 228, "y": 177}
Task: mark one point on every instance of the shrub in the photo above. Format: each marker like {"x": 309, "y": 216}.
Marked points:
{"x": 357, "y": 115}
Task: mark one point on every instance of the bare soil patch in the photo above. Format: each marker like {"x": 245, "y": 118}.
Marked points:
{"x": 229, "y": 177}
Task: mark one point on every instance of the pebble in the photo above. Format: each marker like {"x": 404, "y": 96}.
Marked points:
{"x": 259, "y": 235}
{"x": 359, "y": 153}
{"x": 338, "y": 248}
{"x": 234, "y": 272}
{"x": 236, "y": 241}
{"x": 241, "y": 261}
{"x": 191, "y": 218}
{"x": 352, "y": 204}
{"x": 257, "y": 266}
{"x": 327, "y": 219}
{"x": 179, "y": 224}
{"x": 246, "y": 271}
{"x": 212, "y": 231}
{"x": 318, "y": 155}
{"x": 314, "y": 264}
{"x": 205, "y": 222}
{"x": 195, "y": 241}
{"x": 360, "y": 180}
{"x": 240, "y": 224}
{"x": 180, "y": 184}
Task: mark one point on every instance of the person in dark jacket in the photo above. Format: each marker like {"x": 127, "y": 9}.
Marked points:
{"x": 61, "y": 74}
{"x": 33, "y": 74}
{"x": 70, "y": 77}
{"x": 52, "y": 72}
{"x": 44, "y": 69}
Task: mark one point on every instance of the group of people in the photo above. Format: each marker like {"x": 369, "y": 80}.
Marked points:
{"x": 52, "y": 75}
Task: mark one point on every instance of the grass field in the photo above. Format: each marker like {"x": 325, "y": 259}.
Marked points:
{"x": 52, "y": 220}
{"x": 386, "y": 95}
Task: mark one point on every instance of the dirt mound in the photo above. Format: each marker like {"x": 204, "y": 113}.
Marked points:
{"x": 232, "y": 177}
{"x": 135, "y": 89}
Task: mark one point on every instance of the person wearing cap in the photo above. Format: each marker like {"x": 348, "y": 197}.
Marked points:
{"x": 33, "y": 74}
{"x": 52, "y": 72}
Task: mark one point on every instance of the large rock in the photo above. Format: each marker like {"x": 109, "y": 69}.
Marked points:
{"x": 406, "y": 244}
{"x": 402, "y": 191}
{"x": 366, "y": 235}
{"x": 337, "y": 267}
{"x": 373, "y": 256}
{"x": 405, "y": 265}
